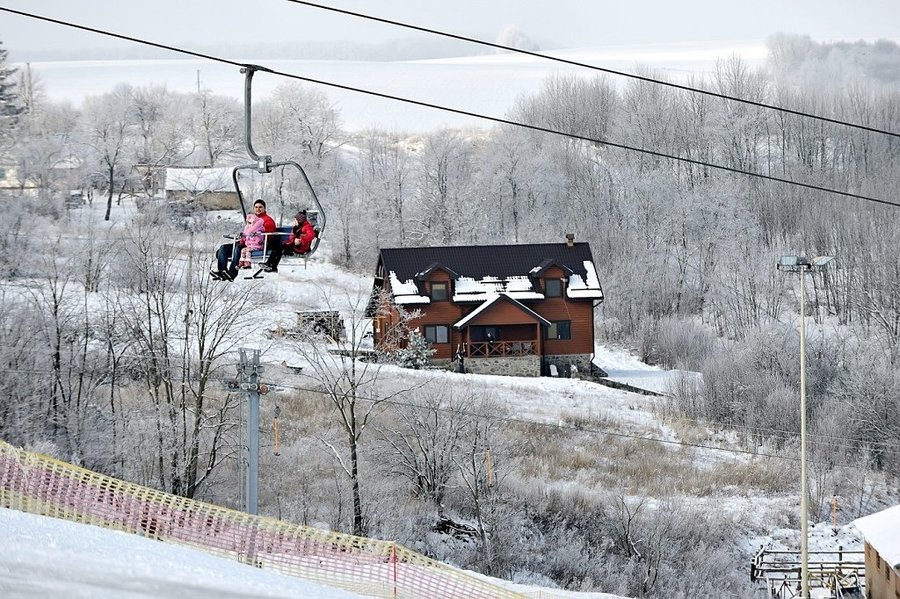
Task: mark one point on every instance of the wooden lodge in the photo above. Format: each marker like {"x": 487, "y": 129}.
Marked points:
{"x": 525, "y": 310}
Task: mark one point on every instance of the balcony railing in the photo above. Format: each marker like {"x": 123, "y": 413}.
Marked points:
{"x": 500, "y": 349}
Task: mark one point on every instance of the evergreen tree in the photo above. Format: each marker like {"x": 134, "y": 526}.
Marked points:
{"x": 10, "y": 107}
{"x": 417, "y": 353}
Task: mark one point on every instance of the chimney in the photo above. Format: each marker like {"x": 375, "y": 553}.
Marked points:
{"x": 570, "y": 239}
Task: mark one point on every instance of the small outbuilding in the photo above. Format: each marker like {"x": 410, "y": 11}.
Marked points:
{"x": 881, "y": 531}
{"x": 211, "y": 187}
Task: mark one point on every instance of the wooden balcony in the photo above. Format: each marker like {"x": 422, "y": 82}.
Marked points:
{"x": 500, "y": 349}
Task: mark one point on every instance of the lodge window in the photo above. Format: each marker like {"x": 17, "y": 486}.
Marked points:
{"x": 553, "y": 287}
{"x": 439, "y": 292}
{"x": 559, "y": 329}
{"x": 437, "y": 333}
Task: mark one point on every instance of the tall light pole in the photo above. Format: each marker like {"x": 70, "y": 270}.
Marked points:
{"x": 802, "y": 265}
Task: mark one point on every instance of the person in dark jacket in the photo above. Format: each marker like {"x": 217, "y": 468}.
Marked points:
{"x": 234, "y": 249}
{"x": 297, "y": 243}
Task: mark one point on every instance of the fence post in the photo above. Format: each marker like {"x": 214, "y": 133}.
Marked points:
{"x": 394, "y": 562}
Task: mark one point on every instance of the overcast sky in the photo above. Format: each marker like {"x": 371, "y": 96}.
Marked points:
{"x": 554, "y": 23}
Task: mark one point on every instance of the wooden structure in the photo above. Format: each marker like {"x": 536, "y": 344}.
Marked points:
{"x": 881, "y": 531}
{"x": 833, "y": 574}
{"x": 522, "y": 310}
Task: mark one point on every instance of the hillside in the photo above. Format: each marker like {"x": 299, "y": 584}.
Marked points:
{"x": 567, "y": 453}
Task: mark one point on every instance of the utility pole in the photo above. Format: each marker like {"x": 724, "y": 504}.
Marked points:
{"x": 249, "y": 371}
{"x": 803, "y": 265}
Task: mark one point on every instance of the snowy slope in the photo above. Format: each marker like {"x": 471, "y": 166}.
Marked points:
{"x": 46, "y": 557}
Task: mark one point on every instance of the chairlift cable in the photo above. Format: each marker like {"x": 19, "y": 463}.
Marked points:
{"x": 593, "y": 67}
{"x": 468, "y": 113}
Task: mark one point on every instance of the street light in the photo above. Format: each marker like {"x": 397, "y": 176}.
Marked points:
{"x": 803, "y": 265}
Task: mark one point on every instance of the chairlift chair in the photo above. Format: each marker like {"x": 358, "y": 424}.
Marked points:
{"x": 264, "y": 165}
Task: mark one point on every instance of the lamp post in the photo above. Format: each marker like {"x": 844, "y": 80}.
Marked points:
{"x": 802, "y": 265}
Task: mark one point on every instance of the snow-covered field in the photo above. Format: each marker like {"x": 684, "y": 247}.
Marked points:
{"x": 486, "y": 85}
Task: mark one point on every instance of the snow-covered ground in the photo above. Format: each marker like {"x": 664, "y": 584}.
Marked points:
{"x": 46, "y": 557}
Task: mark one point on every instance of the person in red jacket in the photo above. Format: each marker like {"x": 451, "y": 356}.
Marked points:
{"x": 298, "y": 242}
{"x": 234, "y": 249}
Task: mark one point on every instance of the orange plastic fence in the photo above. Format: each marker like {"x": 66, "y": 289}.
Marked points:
{"x": 42, "y": 485}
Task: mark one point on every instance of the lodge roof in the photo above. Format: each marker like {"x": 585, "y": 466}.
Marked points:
{"x": 480, "y": 261}
{"x": 481, "y": 272}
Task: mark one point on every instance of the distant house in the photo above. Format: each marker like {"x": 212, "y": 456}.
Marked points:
{"x": 881, "y": 531}
{"x": 522, "y": 310}
{"x": 211, "y": 187}
{"x": 62, "y": 174}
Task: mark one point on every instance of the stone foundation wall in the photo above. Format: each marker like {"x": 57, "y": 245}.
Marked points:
{"x": 565, "y": 362}
{"x": 522, "y": 365}
{"x": 508, "y": 366}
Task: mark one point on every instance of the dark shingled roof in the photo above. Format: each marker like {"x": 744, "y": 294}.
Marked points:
{"x": 479, "y": 261}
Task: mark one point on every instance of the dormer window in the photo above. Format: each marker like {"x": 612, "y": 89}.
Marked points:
{"x": 439, "y": 292}
{"x": 553, "y": 287}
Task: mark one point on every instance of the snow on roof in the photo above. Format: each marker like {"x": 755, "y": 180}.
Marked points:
{"x": 406, "y": 292}
{"x": 882, "y": 531}
{"x": 462, "y": 322}
{"x": 468, "y": 289}
{"x": 199, "y": 179}
{"x": 518, "y": 284}
{"x": 490, "y": 301}
{"x": 469, "y": 285}
{"x": 580, "y": 289}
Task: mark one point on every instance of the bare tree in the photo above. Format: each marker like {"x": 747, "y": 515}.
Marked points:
{"x": 477, "y": 468}
{"x": 181, "y": 325}
{"x": 350, "y": 381}
{"x": 429, "y": 439}
{"x": 216, "y": 125}
{"x": 110, "y": 129}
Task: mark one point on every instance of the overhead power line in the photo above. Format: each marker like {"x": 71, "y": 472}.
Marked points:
{"x": 593, "y": 67}
{"x": 817, "y": 440}
{"x": 462, "y": 112}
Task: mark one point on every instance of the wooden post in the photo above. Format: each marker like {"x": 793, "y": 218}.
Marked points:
{"x": 394, "y": 562}
{"x": 834, "y": 513}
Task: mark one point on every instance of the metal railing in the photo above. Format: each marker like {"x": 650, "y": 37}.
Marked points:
{"x": 841, "y": 572}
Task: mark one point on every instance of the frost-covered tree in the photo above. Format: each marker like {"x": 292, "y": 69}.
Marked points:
{"x": 160, "y": 132}
{"x": 445, "y": 172}
{"x": 110, "y": 128}
{"x": 216, "y": 125}
{"x": 417, "y": 353}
